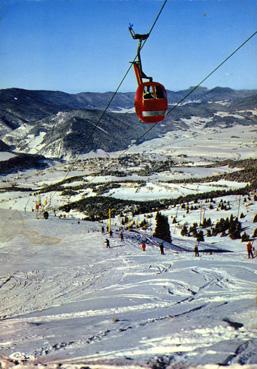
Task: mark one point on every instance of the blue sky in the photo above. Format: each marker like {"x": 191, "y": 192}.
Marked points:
{"x": 84, "y": 45}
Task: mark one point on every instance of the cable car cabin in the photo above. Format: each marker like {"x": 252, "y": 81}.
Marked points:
{"x": 151, "y": 102}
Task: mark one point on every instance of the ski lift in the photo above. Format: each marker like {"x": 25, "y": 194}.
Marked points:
{"x": 151, "y": 103}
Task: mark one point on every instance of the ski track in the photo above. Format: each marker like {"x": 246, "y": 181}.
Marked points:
{"x": 107, "y": 304}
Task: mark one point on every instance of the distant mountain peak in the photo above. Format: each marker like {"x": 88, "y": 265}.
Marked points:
{"x": 56, "y": 124}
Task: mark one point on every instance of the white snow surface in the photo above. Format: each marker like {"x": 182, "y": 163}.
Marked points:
{"x": 226, "y": 114}
{"x": 203, "y": 145}
{"x": 159, "y": 190}
{"x": 4, "y": 155}
{"x": 66, "y": 298}
{"x": 222, "y": 102}
{"x": 124, "y": 110}
{"x": 35, "y": 142}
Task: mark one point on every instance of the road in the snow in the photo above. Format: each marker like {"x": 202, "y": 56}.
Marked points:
{"x": 65, "y": 297}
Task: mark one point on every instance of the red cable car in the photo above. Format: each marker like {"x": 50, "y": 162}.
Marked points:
{"x": 151, "y": 103}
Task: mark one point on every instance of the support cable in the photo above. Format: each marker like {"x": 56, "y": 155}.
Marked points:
{"x": 183, "y": 98}
{"x": 96, "y": 126}
{"x": 128, "y": 70}
{"x": 201, "y": 82}
{"x": 170, "y": 110}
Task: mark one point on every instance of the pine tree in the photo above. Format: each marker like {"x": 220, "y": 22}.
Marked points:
{"x": 235, "y": 228}
{"x": 193, "y": 230}
{"x": 204, "y": 223}
{"x": 162, "y": 229}
{"x": 124, "y": 220}
{"x": 220, "y": 226}
{"x": 209, "y": 222}
{"x": 184, "y": 230}
{"x": 143, "y": 224}
{"x": 200, "y": 236}
{"x": 209, "y": 233}
{"x": 227, "y": 223}
{"x": 223, "y": 206}
{"x": 245, "y": 237}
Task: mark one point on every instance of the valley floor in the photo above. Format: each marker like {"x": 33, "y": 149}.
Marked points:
{"x": 67, "y": 299}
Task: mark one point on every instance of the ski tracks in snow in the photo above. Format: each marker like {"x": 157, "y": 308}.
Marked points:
{"x": 121, "y": 302}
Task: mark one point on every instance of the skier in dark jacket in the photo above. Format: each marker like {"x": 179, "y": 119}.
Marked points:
{"x": 107, "y": 243}
{"x": 162, "y": 248}
{"x": 196, "y": 249}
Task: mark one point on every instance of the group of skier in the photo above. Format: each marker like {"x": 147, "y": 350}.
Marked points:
{"x": 249, "y": 246}
{"x": 107, "y": 240}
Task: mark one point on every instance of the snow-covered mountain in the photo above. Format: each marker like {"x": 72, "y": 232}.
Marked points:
{"x": 4, "y": 147}
{"x": 78, "y": 131}
{"x": 26, "y": 106}
{"x": 19, "y": 106}
{"x": 60, "y": 124}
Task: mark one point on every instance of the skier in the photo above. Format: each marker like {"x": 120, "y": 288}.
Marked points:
{"x": 111, "y": 233}
{"x": 162, "y": 248}
{"x": 107, "y": 243}
{"x": 121, "y": 236}
{"x": 249, "y": 247}
{"x": 103, "y": 230}
{"x": 143, "y": 246}
{"x": 196, "y": 249}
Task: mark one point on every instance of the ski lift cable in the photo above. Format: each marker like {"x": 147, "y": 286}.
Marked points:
{"x": 96, "y": 125}
{"x": 201, "y": 82}
{"x": 178, "y": 103}
{"x": 122, "y": 80}
{"x": 184, "y": 97}
{"x": 128, "y": 70}
{"x": 213, "y": 71}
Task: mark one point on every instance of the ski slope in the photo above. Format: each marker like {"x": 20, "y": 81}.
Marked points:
{"x": 67, "y": 299}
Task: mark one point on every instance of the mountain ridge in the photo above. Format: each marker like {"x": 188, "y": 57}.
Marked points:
{"x": 58, "y": 124}
{"x": 42, "y": 103}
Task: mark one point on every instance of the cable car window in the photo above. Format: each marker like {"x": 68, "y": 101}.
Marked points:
{"x": 159, "y": 92}
{"x": 148, "y": 92}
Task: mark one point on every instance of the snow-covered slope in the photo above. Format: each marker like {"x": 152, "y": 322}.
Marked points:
{"x": 67, "y": 301}
{"x": 66, "y": 298}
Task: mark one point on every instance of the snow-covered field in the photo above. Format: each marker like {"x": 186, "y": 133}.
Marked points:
{"x": 6, "y": 156}
{"x": 198, "y": 144}
{"x": 68, "y": 302}
{"x": 67, "y": 299}
{"x": 162, "y": 190}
